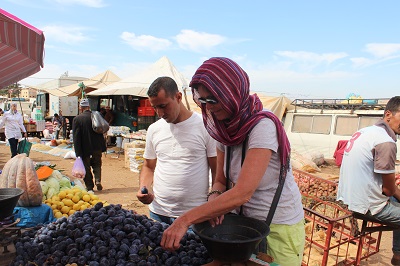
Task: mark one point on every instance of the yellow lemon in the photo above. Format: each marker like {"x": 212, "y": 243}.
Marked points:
{"x": 83, "y": 207}
{"x": 48, "y": 204}
{"x": 58, "y": 215}
{"x": 62, "y": 194}
{"x": 69, "y": 195}
{"x": 76, "y": 207}
{"x": 60, "y": 204}
{"x": 75, "y": 198}
{"x": 86, "y": 198}
{"x": 65, "y": 215}
{"x": 94, "y": 197}
{"x": 65, "y": 209}
{"x": 55, "y": 198}
{"x": 54, "y": 206}
{"x": 68, "y": 202}
{"x": 71, "y": 212}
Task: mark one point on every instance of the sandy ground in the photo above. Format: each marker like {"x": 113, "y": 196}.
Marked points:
{"x": 120, "y": 186}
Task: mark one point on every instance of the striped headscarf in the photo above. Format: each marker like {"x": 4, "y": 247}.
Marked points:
{"x": 230, "y": 85}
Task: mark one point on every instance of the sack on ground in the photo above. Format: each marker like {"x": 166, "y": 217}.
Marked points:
{"x": 24, "y": 146}
{"x": 99, "y": 124}
{"x": 78, "y": 170}
{"x": 70, "y": 155}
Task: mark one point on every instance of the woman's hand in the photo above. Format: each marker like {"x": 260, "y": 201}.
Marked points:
{"x": 173, "y": 234}
{"x": 217, "y": 220}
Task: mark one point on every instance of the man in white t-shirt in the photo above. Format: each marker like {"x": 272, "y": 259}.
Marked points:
{"x": 367, "y": 175}
{"x": 178, "y": 155}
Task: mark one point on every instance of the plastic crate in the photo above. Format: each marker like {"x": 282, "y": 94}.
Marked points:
{"x": 332, "y": 236}
{"x": 144, "y": 103}
{"x": 146, "y": 119}
{"x": 312, "y": 185}
{"x": 146, "y": 111}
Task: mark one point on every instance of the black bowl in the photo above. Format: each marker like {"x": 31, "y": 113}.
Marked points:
{"x": 8, "y": 200}
{"x": 234, "y": 240}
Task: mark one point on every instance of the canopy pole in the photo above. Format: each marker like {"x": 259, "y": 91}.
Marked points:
{"x": 187, "y": 102}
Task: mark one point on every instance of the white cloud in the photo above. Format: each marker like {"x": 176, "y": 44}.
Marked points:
{"x": 89, "y": 3}
{"x": 198, "y": 41}
{"x": 65, "y": 34}
{"x": 381, "y": 50}
{"x": 145, "y": 42}
{"x": 361, "y": 62}
{"x": 310, "y": 57}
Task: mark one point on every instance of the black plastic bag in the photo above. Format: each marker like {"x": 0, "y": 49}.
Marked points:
{"x": 99, "y": 124}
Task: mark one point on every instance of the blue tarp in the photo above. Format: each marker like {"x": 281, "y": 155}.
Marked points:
{"x": 32, "y": 216}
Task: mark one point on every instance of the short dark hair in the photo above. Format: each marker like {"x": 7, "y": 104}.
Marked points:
{"x": 55, "y": 114}
{"x": 393, "y": 105}
{"x": 166, "y": 83}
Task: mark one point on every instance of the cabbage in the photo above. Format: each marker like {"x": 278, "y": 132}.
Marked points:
{"x": 44, "y": 186}
{"x": 57, "y": 175}
{"x": 64, "y": 183}
{"x": 51, "y": 193}
{"x": 53, "y": 183}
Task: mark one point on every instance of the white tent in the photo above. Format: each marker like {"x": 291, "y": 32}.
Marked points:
{"x": 97, "y": 82}
{"x": 138, "y": 84}
{"x": 278, "y": 105}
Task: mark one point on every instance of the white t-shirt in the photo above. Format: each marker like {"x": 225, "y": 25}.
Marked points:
{"x": 290, "y": 209}
{"x": 14, "y": 124}
{"x": 360, "y": 181}
{"x": 182, "y": 172}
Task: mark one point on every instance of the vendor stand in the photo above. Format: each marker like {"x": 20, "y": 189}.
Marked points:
{"x": 35, "y": 128}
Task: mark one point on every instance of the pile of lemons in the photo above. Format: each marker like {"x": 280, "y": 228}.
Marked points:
{"x": 68, "y": 201}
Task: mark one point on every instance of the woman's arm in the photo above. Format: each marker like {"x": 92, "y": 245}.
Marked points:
{"x": 253, "y": 169}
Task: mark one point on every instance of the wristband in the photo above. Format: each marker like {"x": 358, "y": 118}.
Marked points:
{"x": 213, "y": 192}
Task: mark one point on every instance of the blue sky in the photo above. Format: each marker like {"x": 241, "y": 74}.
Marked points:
{"x": 302, "y": 49}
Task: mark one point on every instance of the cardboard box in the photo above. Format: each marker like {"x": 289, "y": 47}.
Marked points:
{"x": 30, "y": 127}
{"x": 132, "y": 144}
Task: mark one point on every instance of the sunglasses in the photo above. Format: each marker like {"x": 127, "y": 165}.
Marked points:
{"x": 208, "y": 100}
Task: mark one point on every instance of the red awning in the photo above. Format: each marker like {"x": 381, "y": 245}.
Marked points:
{"x": 21, "y": 49}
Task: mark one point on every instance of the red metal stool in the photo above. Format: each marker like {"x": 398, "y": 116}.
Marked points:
{"x": 370, "y": 225}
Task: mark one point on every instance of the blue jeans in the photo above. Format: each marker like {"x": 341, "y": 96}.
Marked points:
{"x": 391, "y": 213}
{"x": 161, "y": 218}
{"x": 165, "y": 219}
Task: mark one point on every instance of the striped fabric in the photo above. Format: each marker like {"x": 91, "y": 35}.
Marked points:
{"x": 230, "y": 85}
{"x": 21, "y": 49}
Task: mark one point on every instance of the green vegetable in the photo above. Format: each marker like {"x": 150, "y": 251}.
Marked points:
{"x": 51, "y": 193}
{"x": 64, "y": 183}
{"x": 53, "y": 183}
{"x": 44, "y": 186}
{"x": 57, "y": 175}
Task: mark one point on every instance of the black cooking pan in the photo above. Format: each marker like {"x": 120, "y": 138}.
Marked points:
{"x": 234, "y": 240}
{"x": 8, "y": 200}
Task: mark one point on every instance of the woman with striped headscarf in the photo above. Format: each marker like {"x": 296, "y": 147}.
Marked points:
{"x": 253, "y": 155}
